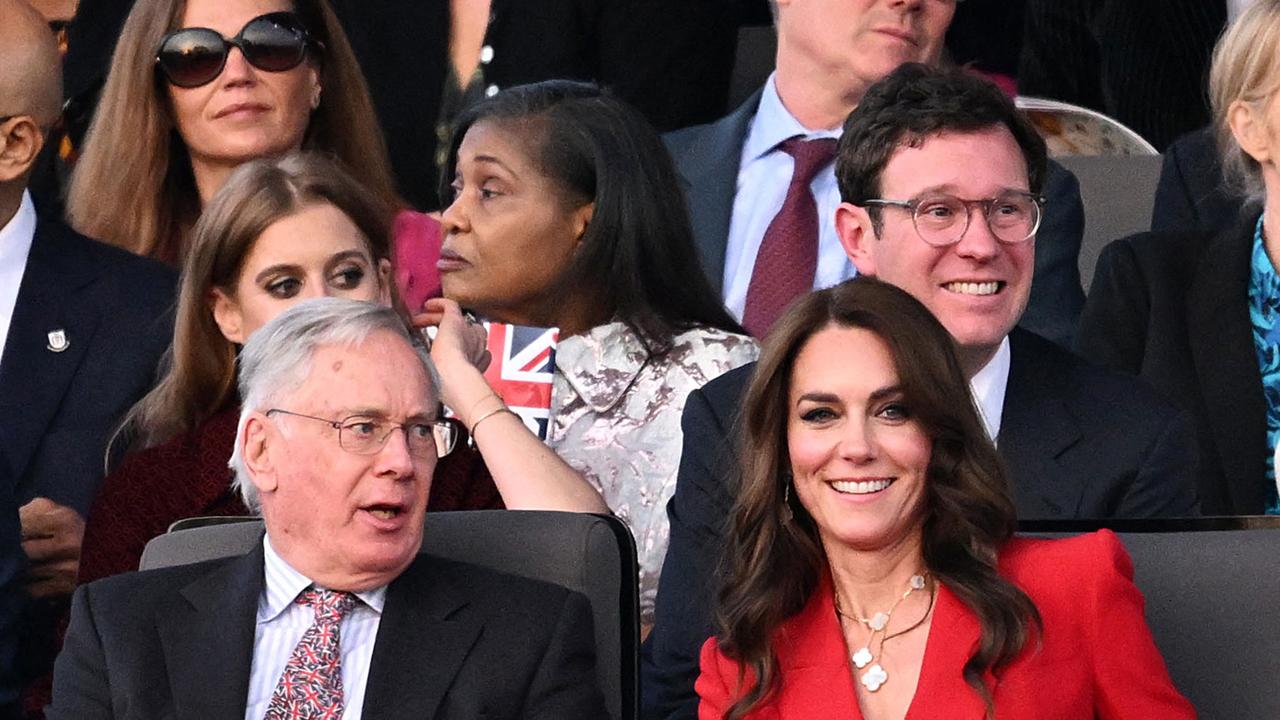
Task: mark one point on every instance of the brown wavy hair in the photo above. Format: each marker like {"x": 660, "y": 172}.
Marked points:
{"x": 199, "y": 370}
{"x": 133, "y": 185}
{"x": 773, "y": 559}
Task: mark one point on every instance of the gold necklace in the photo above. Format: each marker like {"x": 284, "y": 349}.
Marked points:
{"x": 875, "y": 675}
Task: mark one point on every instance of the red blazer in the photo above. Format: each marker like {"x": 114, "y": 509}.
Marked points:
{"x": 1096, "y": 659}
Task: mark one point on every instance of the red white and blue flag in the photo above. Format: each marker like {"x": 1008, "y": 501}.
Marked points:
{"x": 522, "y": 369}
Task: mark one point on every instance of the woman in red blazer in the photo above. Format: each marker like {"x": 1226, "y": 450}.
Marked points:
{"x": 871, "y": 571}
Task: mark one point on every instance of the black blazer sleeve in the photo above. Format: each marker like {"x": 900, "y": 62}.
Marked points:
{"x": 1113, "y": 326}
{"x": 698, "y": 512}
{"x": 1056, "y": 293}
{"x": 565, "y": 685}
{"x": 11, "y": 592}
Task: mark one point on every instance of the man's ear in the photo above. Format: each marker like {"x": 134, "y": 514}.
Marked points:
{"x": 226, "y": 313}
{"x": 1249, "y": 126}
{"x": 857, "y": 236}
{"x": 21, "y": 147}
{"x": 261, "y": 448}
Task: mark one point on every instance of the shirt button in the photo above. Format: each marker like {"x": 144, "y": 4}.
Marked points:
{"x": 491, "y": 91}
{"x": 486, "y": 54}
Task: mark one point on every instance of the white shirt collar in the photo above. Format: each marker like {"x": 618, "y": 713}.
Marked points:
{"x": 988, "y": 387}
{"x": 15, "y": 247}
{"x": 773, "y": 123}
{"x": 284, "y": 584}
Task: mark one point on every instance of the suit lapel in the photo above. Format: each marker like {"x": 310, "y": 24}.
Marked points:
{"x": 33, "y": 378}
{"x": 710, "y": 168}
{"x": 1036, "y": 428}
{"x": 207, "y": 634}
{"x": 423, "y": 638}
{"x": 1221, "y": 337}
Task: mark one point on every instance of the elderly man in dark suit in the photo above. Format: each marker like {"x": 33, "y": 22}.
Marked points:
{"x": 82, "y": 329}
{"x": 760, "y": 182}
{"x": 335, "y": 614}
{"x": 940, "y": 179}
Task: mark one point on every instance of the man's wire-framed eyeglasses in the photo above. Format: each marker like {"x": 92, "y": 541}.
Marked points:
{"x": 364, "y": 435}
{"x": 942, "y": 219}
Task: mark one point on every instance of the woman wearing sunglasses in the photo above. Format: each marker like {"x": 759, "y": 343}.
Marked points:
{"x": 196, "y": 89}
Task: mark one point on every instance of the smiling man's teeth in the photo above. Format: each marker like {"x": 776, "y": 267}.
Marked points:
{"x": 972, "y": 288}
{"x": 860, "y": 487}
{"x": 384, "y": 514}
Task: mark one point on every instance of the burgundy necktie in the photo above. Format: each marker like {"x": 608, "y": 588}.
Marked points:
{"x": 310, "y": 687}
{"x": 788, "y": 256}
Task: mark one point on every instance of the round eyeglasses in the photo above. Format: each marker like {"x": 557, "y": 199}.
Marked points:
{"x": 940, "y": 219}
{"x": 363, "y": 435}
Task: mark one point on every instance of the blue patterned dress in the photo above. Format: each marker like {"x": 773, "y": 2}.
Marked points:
{"x": 1264, "y": 311}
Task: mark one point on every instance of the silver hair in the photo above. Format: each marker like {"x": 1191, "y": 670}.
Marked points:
{"x": 276, "y": 360}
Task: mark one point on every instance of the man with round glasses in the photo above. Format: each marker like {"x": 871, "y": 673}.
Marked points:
{"x": 334, "y": 614}
{"x": 940, "y": 179}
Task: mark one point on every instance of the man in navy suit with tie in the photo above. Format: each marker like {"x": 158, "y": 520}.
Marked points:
{"x": 82, "y": 329}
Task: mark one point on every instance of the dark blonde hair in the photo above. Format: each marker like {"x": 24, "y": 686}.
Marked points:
{"x": 773, "y": 559}
{"x": 133, "y": 186}
{"x": 199, "y": 370}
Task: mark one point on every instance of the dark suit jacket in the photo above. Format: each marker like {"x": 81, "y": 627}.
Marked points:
{"x": 1078, "y": 441}
{"x": 1143, "y": 62}
{"x": 11, "y": 595}
{"x": 1096, "y": 657}
{"x": 455, "y": 641}
{"x": 1174, "y": 310}
{"x": 1192, "y": 194}
{"x": 670, "y": 58}
{"x": 707, "y": 158}
{"x": 59, "y": 408}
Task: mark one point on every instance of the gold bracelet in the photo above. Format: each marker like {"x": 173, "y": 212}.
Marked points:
{"x": 488, "y": 415}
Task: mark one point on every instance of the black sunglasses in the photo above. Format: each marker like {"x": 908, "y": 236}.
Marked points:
{"x": 195, "y": 56}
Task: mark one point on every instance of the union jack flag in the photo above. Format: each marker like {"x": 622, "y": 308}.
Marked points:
{"x": 522, "y": 369}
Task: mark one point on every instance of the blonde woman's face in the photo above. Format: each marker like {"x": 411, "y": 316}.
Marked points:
{"x": 243, "y": 113}
{"x": 316, "y": 252}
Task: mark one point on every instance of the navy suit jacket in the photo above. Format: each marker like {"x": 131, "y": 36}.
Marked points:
{"x": 57, "y": 409}
{"x": 1078, "y": 441}
{"x": 707, "y": 158}
{"x": 1173, "y": 308}
{"x": 11, "y": 595}
{"x": 455, "y": 642}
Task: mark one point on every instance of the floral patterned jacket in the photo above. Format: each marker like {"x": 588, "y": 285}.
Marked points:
{"x": 616, "y": 419}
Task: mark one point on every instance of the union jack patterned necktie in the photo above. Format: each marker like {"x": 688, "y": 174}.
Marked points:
{"x": 310, "y": 687}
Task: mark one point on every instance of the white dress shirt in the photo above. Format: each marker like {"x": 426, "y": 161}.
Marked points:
{"x": 988, "y": 388}
{"x": 764, "y": 174}
{"x": 15, "y": 245}
{"x": 281, "y": 624}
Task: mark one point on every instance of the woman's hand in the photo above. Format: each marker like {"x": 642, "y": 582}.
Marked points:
{"x": 458, "y": 339}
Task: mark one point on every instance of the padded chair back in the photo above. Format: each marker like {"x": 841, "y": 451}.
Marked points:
{"x": 1212, "y": 605}
{"x": 1118, "y": 192}
{"x": 591, "y": 554}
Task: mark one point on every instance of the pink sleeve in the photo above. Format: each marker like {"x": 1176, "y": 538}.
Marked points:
{"x": 1129, "y": 673}
{"x": 416, "y": 239}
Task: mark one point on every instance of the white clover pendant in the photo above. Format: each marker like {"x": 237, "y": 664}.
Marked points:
{"x": 861, "y": 658}
{"x": 917, "y": 582}
{"x": 874, "y": 677}
{"x": 878, "y": 621}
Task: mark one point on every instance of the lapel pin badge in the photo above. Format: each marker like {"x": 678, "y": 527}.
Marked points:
{"x": 58, "y": 341}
